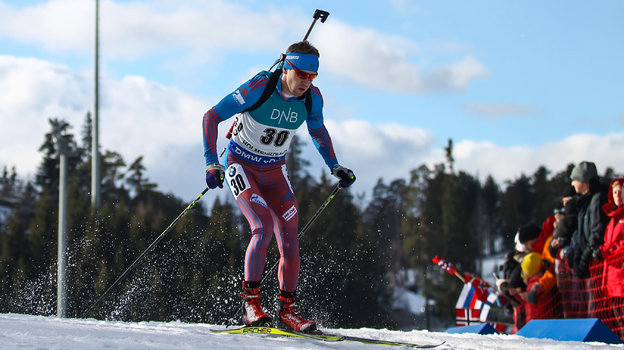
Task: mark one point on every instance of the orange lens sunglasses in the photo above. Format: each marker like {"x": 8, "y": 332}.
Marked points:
{"x": 301, "y": 74}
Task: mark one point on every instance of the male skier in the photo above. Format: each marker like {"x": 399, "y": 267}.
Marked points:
{"x": 257, "y": 176}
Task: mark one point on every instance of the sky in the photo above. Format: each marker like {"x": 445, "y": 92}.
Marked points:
{"x": 514, "y": 84}
{"x": 39, "y": 332}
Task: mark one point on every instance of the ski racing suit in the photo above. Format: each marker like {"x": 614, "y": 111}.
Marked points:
{"x": 256, "y": 167}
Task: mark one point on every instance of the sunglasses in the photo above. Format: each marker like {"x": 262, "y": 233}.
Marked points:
{"x": 301, "y": 74}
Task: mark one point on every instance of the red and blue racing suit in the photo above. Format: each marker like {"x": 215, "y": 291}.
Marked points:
{"x": 256, "y": 168}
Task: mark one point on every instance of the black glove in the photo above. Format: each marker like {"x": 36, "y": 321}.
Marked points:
{"x": 346, "y": 176}
{"x": 532, "y": 294}
{"x": 215, "y": 173}
{"x": 596, "y": 254}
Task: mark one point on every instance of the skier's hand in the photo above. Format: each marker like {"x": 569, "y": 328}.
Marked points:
{"x": 215, "y": 173}
{"x": 346, "y": 176}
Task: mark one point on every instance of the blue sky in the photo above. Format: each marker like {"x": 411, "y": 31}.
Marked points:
{"x": 515, "y": 84}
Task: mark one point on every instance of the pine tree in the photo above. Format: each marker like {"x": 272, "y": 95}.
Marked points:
{"x": 517, "y": 207}
{"x": 135, "y": 177}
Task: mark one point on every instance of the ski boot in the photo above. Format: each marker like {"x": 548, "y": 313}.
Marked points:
{"x": 253, "y": 315}
{"x": 288, "y": 319}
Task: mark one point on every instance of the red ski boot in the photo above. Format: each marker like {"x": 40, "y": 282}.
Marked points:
{"x": 287, "y": 318}
{"x": 253, "y": 315}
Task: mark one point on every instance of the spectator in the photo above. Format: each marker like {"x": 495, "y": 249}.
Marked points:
{"x": 548, "y": 228}
{"x": 613, "y": 246}
{"x": 530, "y": 236}
{"x": 540, "y": 288}
{"x": 565, "y": 228}
{"x": 525, "y": 240}
{"x": 513, "y": 284}
{"x": 588, "y": 238}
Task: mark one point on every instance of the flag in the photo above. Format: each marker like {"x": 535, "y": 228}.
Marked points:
{"x": 467, "y": 317}
{"x": 477, "y": 300}
{"x": 438, "y": 260}
{"x": 476, "y": 297}
{"x": 468, "y": 298}
{"x": 487, "y": 305}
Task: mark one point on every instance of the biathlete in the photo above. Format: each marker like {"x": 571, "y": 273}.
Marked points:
{"x": 254, "y": 168}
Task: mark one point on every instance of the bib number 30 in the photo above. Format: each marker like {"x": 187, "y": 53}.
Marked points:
{"x": 236, "y": 179}
{"x": 272, "y": 136}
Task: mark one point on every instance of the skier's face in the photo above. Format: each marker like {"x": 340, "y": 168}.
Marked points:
{"x": 295, "y": 85}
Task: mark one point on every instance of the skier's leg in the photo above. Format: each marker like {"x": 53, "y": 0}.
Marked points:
{"x": 243, "y": 184}
{"x": 286, "y": 217}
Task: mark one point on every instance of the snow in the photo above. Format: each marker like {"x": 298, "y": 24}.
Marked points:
{"x": 46, "y": 332}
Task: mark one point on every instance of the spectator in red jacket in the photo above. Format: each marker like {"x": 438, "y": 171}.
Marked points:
{"x": 540, "y": 288}
{"x": 613, "y": 246}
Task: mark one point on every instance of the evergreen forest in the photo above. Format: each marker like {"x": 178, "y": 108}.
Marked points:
{"x": 353, "y": 255}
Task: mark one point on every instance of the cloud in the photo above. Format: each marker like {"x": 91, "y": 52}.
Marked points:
{"x": 380, "y": 152}
{"x": 33, "y": 92}
{"x": 506, "y": 163}
{"x": 162, "y": 123}
{"x": 41, "y": 24}
{"x": 195, "y": 30}
{"x": 498, "y": 110}
{"x": 129, "y": 30}
{"x": 387, "y": 151}
{"x": 383, "y": 62}
{"x": 137, "y": 117}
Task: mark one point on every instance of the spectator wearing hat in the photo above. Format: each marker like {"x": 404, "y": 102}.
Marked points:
{"x": 527, "y": 240}
{"x": 613, "y": 246}
{"x": 565, "y": 227}
{"x": 589, "y": 236}
{"x": 569, "y": 285}
{"x": 540, "y": 287}
{"x": 530, "y": 236}
{"x": 612, "y": 251}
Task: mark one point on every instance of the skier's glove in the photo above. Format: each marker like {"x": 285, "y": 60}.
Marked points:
{"x": 215, "y": 173}
{"x": 532, "y": 294}
{"x": 346, "y": 176}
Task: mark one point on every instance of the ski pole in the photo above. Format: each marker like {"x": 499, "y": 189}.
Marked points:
{"x": 303, "y": 231}
{"x": 147, "y": 250}
{"x": 307, "y": 226}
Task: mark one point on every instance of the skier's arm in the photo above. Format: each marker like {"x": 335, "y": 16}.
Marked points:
{"x": 318, "y": 132}
{"x": 322, "y": 141}
{"x": 244, "y": 97}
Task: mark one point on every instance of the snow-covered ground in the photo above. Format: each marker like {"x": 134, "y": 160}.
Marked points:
{"x": 38, "y": 332}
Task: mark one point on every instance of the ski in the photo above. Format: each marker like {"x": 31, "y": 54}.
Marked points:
{"x": 271, "y": 331}
{"x": 339, "y": 337}
{"x": 321, "y": 336}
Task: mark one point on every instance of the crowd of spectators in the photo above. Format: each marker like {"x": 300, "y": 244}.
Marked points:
{"x": 573, "y": 265}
